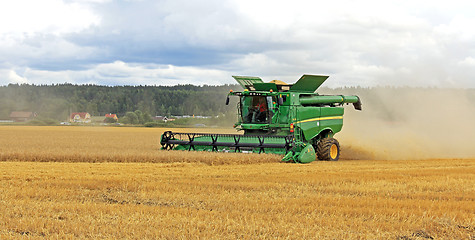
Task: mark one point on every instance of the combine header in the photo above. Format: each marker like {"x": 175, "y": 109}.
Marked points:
{"x": 279, "y": 118}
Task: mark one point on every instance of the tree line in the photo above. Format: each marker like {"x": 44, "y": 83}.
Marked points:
{"x": 58, "y": 101}
{"x": 137, "y": 104}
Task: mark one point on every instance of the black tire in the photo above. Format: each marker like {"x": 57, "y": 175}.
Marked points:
{"x": 328, "y": 149}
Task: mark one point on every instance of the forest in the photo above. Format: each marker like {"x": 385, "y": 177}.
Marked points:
{"x": 59, "y": 100}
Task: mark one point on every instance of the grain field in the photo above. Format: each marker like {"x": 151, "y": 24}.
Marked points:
{"x": 114, "y": 183}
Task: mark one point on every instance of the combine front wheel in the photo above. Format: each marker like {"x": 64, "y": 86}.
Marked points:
{"x": 328, "y": 149}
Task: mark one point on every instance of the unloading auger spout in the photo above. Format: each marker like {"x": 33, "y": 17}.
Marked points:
{"x": 274, "y": 117}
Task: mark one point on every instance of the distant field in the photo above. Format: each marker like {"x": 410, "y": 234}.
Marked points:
{"x": 86, "y": 182}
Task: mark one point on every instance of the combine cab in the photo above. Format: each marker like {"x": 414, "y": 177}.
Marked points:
{"x": 279, "y": 118}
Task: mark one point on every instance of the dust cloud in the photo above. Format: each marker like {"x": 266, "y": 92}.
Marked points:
{"x": 409, "y": 123}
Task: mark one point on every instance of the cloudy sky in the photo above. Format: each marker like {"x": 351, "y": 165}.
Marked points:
{"x": 168, "y": 42}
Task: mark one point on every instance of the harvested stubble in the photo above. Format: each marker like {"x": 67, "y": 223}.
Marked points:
{"x": 345, "y": 200}
{"x": 191, "y": 199}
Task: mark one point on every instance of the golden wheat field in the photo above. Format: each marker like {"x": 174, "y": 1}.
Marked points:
{"x": 114, "y": 183}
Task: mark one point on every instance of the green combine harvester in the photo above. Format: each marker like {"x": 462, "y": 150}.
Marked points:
{"x": 287, "y": 119}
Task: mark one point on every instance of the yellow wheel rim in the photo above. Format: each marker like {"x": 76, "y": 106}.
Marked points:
{"x": 333, "y": 151}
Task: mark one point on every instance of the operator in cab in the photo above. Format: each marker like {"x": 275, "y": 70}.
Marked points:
{"x": 261, "y": 110}
{"x": 257, "y": 110}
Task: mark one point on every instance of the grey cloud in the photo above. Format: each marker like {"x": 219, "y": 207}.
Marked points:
{"x": 165, "y": 32}
{"x": 422, "y": 48}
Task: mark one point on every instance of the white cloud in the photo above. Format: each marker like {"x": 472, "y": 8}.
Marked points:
{"x": 468, "y": 61}
{"x": 460, "y": 27}
{"x": 51, "y": 16}
{"x": 10, "y": 76}
{"x": 120, "y": 73}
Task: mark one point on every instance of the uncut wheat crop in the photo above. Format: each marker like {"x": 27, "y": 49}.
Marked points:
{"x": 114, "y": 183}
{"x": 105, "y": 144}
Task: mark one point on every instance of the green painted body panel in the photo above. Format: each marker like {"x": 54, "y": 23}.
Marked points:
{"x": 308, "y": 83}
{"x": 265, "y": 87}
{"x": 327, "y": 120}
{"x": 308, "y": 121}
{"x": 247, "y": 81}
{"x": 307, "y": 154}
{"x": 283, "y": 115}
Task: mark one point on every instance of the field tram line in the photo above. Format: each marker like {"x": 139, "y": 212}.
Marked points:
{"x": 200, "y": 206}
{"x": 421, "y": 234}
{"x": 26, "y": 233}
